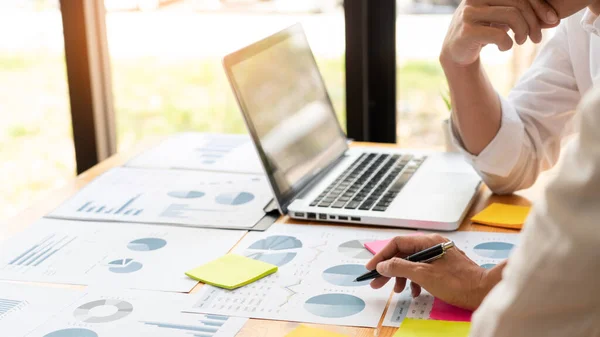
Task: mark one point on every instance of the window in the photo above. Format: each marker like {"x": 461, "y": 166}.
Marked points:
{"x": 36, "y": 147}
{"x": 166, "y": 59}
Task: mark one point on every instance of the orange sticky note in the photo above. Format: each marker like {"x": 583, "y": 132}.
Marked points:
{"x": 502, "y": 215}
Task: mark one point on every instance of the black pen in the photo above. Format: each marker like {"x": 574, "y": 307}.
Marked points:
{"x": 424, "y": 256}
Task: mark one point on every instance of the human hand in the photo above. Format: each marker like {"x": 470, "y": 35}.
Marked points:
{"x": 455, "y": 279}
{"x": 477, "y": 23}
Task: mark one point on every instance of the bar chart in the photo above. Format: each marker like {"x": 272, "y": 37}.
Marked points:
{"x": 215, "y": 149}
{"x": 123, "y": 209}
{"x": 42, "y": 251}
{"x": 208, "y": 326}
{"x": 7, "y": 306}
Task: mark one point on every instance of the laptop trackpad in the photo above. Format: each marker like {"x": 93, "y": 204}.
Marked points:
{"x": 439, "y": 197}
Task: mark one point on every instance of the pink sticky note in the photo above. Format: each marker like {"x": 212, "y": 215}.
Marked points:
{"x": 376, "y": 246}
{"x": 443, "y": 311}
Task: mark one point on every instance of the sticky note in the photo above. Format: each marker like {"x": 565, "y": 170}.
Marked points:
{"x": 501, "y": 215}
{"x": 445, "y": 312}
{"x": 430, "y": 328}
{"x": 231, "y": 271}
{"x": 376, "y": 246}
{"x": 306, "y": 331}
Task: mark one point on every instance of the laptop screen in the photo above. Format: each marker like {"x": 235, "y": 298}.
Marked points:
{"x": 287, "y": 110}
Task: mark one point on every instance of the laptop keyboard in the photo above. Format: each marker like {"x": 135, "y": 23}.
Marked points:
{"x": 372, "y": 182}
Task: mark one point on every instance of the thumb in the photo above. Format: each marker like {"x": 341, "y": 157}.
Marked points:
{"x": 397, "y": 267}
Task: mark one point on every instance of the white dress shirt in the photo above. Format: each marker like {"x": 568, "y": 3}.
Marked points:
{"x": 539, "y": 111}
{"x": 551, "y": 285}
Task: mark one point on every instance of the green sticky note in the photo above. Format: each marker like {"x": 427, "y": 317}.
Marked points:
{"x": 231, "y": 271}
{"x": 431, "y": 328}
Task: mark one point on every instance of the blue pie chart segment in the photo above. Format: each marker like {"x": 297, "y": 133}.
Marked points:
{"x": 344, "y": 275}
{"x": 494, "y": 250}
{"x": 124, "y": 266}
{"x": 234, "y": 199}
{"x": 186, "y": 194}
{"x": 146, "y": 244}
{"x": 72, "y": 333}
{"x": 277, "y": 242}
{"x": 334, "y": 305}
{"x": 488, "y": 265}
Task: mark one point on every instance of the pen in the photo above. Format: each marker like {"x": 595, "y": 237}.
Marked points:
{"x": 424, "y": 256}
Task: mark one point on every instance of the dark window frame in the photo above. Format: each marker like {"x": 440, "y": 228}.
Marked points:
{"x": 371, "y": 70}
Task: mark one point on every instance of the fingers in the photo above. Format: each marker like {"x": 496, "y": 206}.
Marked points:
{"x": 398, "y": 267}
{"x": 415, "y": 289}
{"x": 522, "y": 22}
{"x": 379, "y": 282}
{"x": 400, "y": 285}
{"x": 544, "y": 11}
{"x": 402, "y": 246}
{"x": 490, "y": 35}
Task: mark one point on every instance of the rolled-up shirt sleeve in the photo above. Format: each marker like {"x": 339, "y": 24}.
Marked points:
{"x": 536, "y": 116}
{"x": 550, "y": 285}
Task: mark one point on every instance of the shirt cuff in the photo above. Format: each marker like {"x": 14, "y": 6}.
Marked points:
{"x": 501, "y": 155}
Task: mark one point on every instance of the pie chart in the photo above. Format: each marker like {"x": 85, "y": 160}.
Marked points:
{"x": 72, "y": 333}
{"x": 344, "y": 275}
{"x": 494, "y": 250}
{"x": 355, "y": 249}
{"x": 278, "y": 259}
{"x": 235, "y": 199}
{"x": 334, "y": 305}
{"x": 186, "y": 194}
{"x": 277, "y": 242}
{"x": 124, "y": 266}
{"x": 146, "y": 244}
{"x": 103, "y": 311}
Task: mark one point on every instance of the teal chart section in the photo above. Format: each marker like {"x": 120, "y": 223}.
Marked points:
{"x": 494, "y": 250}
{"x": 75, "y": 332}
{"x": 146, "y": 244}
{"x": 334, "y": 305}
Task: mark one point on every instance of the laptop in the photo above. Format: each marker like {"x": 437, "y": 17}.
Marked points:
{"x": 313, "y": 172}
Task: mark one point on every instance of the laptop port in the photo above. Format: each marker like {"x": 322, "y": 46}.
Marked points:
{"x": 343, "y": 217}
{"x": 332, "y": 217}
{"x": 299, "y": 215}
{"x": 322, "y": 216}
{"x": 354, "y": 218}
{"x": 311, "y": 216}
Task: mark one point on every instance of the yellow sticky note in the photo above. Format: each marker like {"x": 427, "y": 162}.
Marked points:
{"x": 231, "y": 271}
{"x": 306, "y": 331}
{"x": 431, "y": 328}
{"x": 501, "y": 215}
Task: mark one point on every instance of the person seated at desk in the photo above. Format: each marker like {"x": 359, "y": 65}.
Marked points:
{"x": 549, "y": 285}
{"x": 510, "y": 141}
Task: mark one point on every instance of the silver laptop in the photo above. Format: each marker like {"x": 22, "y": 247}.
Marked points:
{"x": 312, "y": 171}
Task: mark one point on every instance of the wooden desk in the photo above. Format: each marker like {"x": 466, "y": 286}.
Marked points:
{"x": 257, "y": 328}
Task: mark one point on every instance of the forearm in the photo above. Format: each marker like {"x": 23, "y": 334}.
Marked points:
{"x": 476, "y": 108}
